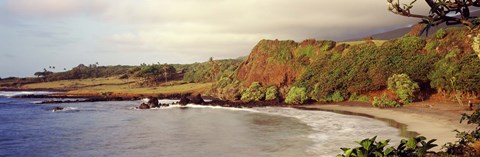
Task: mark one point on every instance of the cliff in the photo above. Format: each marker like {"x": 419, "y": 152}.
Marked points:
{"x": 280, "y": 63}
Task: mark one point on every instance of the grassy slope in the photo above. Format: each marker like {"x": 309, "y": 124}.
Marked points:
{"x": 81, "y": 83}
{"x": 128, "y": 89}
{"x": 118, "y": 86}
{"x": 377, "y": 42}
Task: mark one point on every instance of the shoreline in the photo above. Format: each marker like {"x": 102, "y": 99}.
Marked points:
{"x": 429, "y": 125}
{"x": 432, "y": 119}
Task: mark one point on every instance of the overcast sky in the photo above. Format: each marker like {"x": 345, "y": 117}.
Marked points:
{"x": 36, "y": 34}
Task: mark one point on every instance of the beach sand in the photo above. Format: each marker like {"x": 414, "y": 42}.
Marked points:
{"x": 432, "y": 119}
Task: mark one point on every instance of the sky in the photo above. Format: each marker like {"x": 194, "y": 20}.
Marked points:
{"x": 36, "y": 34}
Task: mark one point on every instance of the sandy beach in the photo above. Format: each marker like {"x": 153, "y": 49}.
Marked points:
{"x": 432, "y": 119}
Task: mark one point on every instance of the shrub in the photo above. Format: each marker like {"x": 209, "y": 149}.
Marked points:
{"x": 476, "y": 45}
{"x": 384, "y": 102}
{"x": 441, "y": 33}
{"x": 308, "y": 50}
{"x": 403, "y": 87}
{"x": 297, "y": 95}
{"x": 411, "y": 43}
{"x": 413, "y": 147}
{"x": 432, "y": 45}
{"x": 355, "y": 97}
{"x": 253, "y": 93}
{"x": 271, "y": 93}
{"x": 337, "y": 97}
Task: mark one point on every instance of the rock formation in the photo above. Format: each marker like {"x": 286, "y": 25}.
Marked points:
{"x": 184, "y": 100}
{"x": 153, "y": 102}
{"x": 144, "y": 106}
{"x": 197, "y": 99}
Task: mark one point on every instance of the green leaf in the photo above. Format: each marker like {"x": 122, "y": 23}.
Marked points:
{"x": 348, "y": 152}
{"x": 388, "y": 151}
{"x": 412, "y": 143}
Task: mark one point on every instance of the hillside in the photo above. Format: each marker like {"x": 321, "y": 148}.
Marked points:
{"x": 328, "y": 71}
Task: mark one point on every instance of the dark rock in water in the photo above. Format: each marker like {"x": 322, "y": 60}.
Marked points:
{"x": 184, "y": 100}
{"x": 57, "y": 109}
{"x": 153, "y": 102}
{"x": 143, "y": 106}
{"x": 197, "y": 99}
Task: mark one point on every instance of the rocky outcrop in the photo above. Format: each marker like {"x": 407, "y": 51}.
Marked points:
{"x": 153, "y": 102}
{"x": 57, "y": 109}
{"x": 280, "y": 63}
{"x": 184, "y": 100}
{"x": 197, "y": 99}
{"x": 144, "y": 106}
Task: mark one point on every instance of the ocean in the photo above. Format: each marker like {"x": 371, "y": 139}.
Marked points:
{"x": 118, "y": 129}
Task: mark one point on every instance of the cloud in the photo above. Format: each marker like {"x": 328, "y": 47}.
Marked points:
{"x": 44, "y": 7}
{"x": 219, "y": 28}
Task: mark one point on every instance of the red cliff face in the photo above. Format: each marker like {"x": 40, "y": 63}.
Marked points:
{"x": 280, "y": 63}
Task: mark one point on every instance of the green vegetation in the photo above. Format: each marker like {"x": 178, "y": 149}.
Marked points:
{"x": 308, "y": 50}
{"x": 441, "y": 33}
{"x": 355, "y": 97}
{"x": 281, "y": 51}
{"x": 463, "y": 146}
{"x": 296, "y": 95}
{"x": 253, "y": 93}
{"x": 271, "y": 93}
{"x": 337, "y": 96}
{"x": 326, "y": 45}
{"x": 353, "y": 43}
{"x": 456, "y": 73}
{"x": 227, "y": 88}
{"x": 365, "y": 67}
{"x": 403, "y": 87}
{"x": 211, "y": 71}
{"x": 78, "y": 83}
{"x": 431, "y": 46}
{"x": 413, "y": 147}
{"x": 90, "y": 71}
{"x": 153, "y": 74}
{"x": 130, "y": 89}
{"x": 384, "y": 101}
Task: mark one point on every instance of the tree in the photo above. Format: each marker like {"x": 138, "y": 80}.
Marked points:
{"x": 168, "y": 71}
{"x": 214, "y": 68}
{"x": 43, "y": 74}
{"x": 440, "y": 12}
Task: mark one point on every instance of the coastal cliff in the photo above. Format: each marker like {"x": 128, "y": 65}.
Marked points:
{"x": 280, "y": 63}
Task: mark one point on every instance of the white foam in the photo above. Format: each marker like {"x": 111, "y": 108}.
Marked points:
{"x": 65, "y": 109}
{"x": 208, "y": 107}
{"x": 332, "y": 131}
{"x": 19, "y": 93}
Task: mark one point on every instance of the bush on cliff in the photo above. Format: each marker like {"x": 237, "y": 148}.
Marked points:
{"x": 456, "y": 73}
{"x": 403, "y": 87}
{"x": 253, "y": 93}
{"x": 384, "y": 101}
{"x": 271, "y": 93}
{"x": 226, "y": 88}
{"x": 297, "y": 95}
